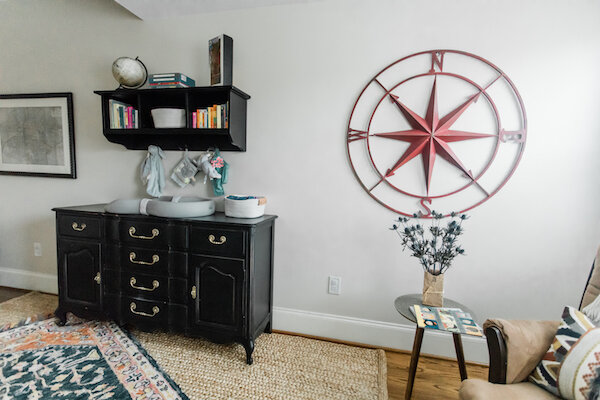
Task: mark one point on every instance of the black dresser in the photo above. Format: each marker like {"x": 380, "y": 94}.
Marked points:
{"x": 209, "y": 276}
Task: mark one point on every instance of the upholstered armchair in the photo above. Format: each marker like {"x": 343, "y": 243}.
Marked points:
{"x": 515, "y": 348}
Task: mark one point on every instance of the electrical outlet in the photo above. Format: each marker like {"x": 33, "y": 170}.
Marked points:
{"x": 335, "y": 285}
{"x": 37, "y": 249}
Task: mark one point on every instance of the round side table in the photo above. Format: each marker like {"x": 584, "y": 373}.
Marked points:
{"x": 403, "y": 304}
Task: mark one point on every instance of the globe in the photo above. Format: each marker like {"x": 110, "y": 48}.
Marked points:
{"x": 131, "y": 73}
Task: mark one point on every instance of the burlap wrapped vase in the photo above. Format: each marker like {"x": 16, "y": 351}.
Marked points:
{"x": 433, "y": 290}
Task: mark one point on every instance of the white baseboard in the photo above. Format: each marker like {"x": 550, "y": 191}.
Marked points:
{"x": 358, "y": 330}
{"x": 376, "y": 333}
{"x": 18, "y": 278}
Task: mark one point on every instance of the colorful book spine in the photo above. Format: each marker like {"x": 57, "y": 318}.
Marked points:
{"x": 194, "y": 119}
{"x": 129, "y": 117}
{"x": 168, "y": 85}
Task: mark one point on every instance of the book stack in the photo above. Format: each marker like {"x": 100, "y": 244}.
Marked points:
{"x": 171, "y": 80}
{"x": 122, "y": 116}
{"x": 214, "y": 117}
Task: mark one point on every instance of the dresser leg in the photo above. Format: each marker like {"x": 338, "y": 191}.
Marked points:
{"x": 61, "y": 315}
{"x": 249, "y": 346}
{"x": 268, "y": 327}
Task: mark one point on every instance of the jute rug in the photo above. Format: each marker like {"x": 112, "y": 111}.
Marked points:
{"x": 285, "y": 366}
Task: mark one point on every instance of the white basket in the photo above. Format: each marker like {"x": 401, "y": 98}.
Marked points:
{"x": 168, "y": 117}
{"x": 248, "y": 208}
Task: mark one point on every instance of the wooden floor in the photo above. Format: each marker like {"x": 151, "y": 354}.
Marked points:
{"x": 436, "y": 378}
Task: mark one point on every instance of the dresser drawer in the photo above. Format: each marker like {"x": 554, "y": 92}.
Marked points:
{"x": 146, "y": 261}
{"x": 218, "y": 241}
{"x": 173, "y": 290}
{"x": 79, "y": 226}
{"x": 144, "y": 312}
{"x": 148, "y": 286}
{"x": 150, "y": 233}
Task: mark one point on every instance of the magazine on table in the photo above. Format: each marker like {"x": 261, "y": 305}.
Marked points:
{"x": 452, "y": 320}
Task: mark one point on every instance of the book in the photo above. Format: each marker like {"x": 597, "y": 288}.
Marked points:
{"x": 175, "y": 84}
{"x": 220, "y": 60}
{"x": 171, "y": 77}
{"x": 452, "y": 320}
{"x": 213, "y": 117}
{"x": 122, "y": 115}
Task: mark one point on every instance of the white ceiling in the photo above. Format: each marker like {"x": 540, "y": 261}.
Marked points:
{"x": 158, "y": 9}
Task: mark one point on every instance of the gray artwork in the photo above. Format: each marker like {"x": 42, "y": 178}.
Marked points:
{"x": 32, "y": 135}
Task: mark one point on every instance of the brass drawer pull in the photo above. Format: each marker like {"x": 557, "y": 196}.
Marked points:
{"x": 77, "y": 227}
{"x": 193, "y": 292}
{"x": 212, "y": 239}
{"x": 155, "y": 233}
{"x": 98, "y": 278}
{"x": 155, "y": 310}
{"x": 132, "y": 258}
{"x": 155, "y": 284}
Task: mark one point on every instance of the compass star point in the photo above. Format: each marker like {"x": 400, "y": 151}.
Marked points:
{"x": 405, "y": 136}
{"x": 457, "y": 136}
{"x": 413, "y": 119}
{"x": 431, "y": 116}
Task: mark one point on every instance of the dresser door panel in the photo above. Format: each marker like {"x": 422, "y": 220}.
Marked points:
{"x": 80, "y": 278}
{"x": 218, "y": 290}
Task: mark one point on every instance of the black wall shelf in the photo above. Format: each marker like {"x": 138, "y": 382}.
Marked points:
{"x": 232, "y": 138}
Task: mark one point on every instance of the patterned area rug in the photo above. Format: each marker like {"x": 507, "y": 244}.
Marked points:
{"x": 86, "y": 360}
{"x": 285, "y": 366}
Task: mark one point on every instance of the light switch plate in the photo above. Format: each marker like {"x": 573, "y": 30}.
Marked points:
{"x": 335, "y": 285}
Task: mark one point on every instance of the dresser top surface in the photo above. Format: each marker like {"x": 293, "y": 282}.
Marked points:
{"x": 218, "y": 217}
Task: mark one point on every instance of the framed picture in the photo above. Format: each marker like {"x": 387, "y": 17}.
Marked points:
{"x": 37, "y": 135}
{"x": 220, "y": 58}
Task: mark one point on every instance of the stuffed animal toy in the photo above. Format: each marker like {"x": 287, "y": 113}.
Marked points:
{"x": 203, "y": 162}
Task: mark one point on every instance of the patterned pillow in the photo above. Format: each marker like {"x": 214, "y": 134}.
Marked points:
{"x": 571, "y": 367}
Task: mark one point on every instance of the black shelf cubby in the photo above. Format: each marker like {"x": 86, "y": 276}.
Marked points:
{"x": 232, "y": 138}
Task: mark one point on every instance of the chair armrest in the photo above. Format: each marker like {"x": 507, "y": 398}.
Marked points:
{"x": 498, "y": 356}
{"x": 516, "y": 347}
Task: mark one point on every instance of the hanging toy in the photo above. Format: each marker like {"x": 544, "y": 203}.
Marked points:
{"x": 222, "y": 167}
{"x": 153, "y": 172}
{"x": 204, "y": 163}
{"x": 185, "y": 171}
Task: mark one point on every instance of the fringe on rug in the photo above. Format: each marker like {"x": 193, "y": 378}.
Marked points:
{"x": 26, "y": 321}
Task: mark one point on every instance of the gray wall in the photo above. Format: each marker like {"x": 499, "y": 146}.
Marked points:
{"x": 529, "y": 248}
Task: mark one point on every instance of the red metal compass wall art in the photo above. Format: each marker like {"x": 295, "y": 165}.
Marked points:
{"x": 469, "y": 133}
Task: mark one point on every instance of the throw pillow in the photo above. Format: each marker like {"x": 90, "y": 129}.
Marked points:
{"x": 571, "y": 367}
{"x": 592, "y": 311}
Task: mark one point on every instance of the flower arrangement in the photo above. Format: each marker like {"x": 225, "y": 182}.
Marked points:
{"x": 436, "y": 252}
